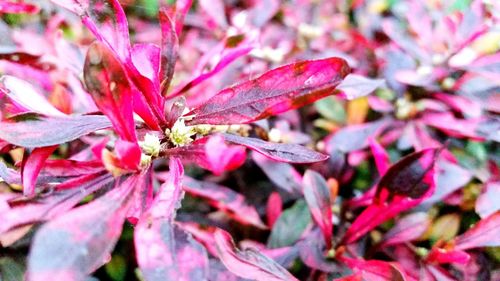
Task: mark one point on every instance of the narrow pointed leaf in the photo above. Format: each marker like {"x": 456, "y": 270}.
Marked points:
{"x": 169, "y": 48}
{"x": 32, "y": 164}
{"x": 356, "y": 86}
{"x": 108, "y": 84}
{"x": 78, "y": 242}
{"x": 484, "y": 234}
{"x": 317, "y": 195}
{"x": 248, "y": 263}
{"x": 55, "y": 130}
{"x": 291, "y": 153}
{"x": 276, "y": 91}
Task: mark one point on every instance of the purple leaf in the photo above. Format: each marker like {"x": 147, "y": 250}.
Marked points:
{"x": 249, "y": 263}
{"x": 290, "y": 153}
{"x": 225, "y": 199}
{"x": 450, "y": 177}
{"x": 164, "y": 251}
{"x": 355, "y": 137}
{"x": 55, "y": 130}
{"x": 78, "y": 242}
{"x": 108, "y": 84}
{"x": 317, "y": 195}
{"x": 25, "y": 95}
{"x": 407, "y": 229}
{"x": 32, "y": 164}
{"x": 277, "y": 91}
{"x": 356, "y": 86}
{"x": 281, "y": 174}
{"x": 483, "y": 234}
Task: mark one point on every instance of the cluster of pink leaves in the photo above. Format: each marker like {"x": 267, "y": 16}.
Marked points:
{"x": 73, "y": 137}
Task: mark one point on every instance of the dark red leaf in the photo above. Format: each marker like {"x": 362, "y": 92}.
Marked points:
{"x": 276, "y": 91}
{"x": 78, "y": 242}
{"x": 317, "y": 195}
{"x": 169, "y": 48}
{"x": 107, "y": 82}
{"x": 291, "y": 153}
{"x": 249, "y": 263}
{"x": 411, "y": 176}
{"x": 55, "y": 130}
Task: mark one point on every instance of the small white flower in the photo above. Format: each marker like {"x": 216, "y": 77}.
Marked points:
{"x": 151, "y": 145}
{"x": 180, "y": 134}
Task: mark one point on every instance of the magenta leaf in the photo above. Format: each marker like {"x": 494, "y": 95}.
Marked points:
{"x": 164, "y": 251}
{"x": 407, "y": 229}
{"x": 317, "y": 195}
{"x": 55, "y": 130}
{"x": 411, "y": 175}
{"x": 225, "y": 199}
{"x": 108, "y": 84}
{"x": 31, "y": 166}
{"x": 222, "y": 157}
{"x": 483, "y": 234}
{"x": 78, "y": 242}
{"x": 291, "y": 153}
{"x": 277, "y": 91}
{"x": 25, "y": 95}
{"x": 248, "y": 263}
{"x": 283, "y": 175}
{"x": 382, "y": 160}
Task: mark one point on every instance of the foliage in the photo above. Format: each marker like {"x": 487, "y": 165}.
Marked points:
{"x": 261, "y": 140}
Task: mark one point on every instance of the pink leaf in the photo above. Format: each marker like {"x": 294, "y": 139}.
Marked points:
{"x": 25, "y": 95}
{"x": 78, "y": 242}
{"x": 317, "y": 195}
{"x": 225, "y": 199}
{"x": 32, "y": 164}
{"x": 222, "y": 157}
{"x": 274, "y": 208}
{"x": 60, "y": 201}
{"x": 356, "y": 86}
{"x": 291, "y": 153}
{"x": 407, "y": 229}
{"x": 483, "y": 234}
{"x": 284, "y": 175}
{"x": 108, "y": 84}
{"x": 164, "y": 251}
{"x": 489, "y": 201}
{"x": 277, "y": 91}
{"x": 442, "y": 256}
{"x": 215, "y": 9}
{"x": 55, "y": 130}
{"x": 249, "y": 263}
{"x": 128, "y": 153}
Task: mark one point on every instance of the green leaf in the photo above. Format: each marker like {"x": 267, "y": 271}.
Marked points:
{"x": 10, "y": 270}
{"x": 116, "y": 268}
{"x": 290, "y": 225}
{"x": 332, "y": 109}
